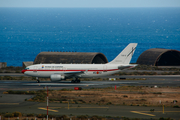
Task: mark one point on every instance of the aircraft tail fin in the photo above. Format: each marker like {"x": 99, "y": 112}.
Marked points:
{"x": 125, "y": 56}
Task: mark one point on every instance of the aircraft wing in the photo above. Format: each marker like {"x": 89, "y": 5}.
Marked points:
{"x": 72, "y": 74}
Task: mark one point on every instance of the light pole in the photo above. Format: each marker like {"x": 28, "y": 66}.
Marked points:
{"x": 47, "y": 102}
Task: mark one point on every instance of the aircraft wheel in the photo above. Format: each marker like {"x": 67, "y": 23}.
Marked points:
{"x": 72, "y": 81}
{"x": 38, "y": 81}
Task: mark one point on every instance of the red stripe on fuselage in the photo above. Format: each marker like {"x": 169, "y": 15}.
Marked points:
{"x": 71, "y": 70}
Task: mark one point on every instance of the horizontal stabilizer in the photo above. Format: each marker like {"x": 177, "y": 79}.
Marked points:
{"x": 126, "y": 67}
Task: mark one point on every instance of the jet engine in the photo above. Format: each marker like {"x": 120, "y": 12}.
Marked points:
{"x": 57, "y": 77}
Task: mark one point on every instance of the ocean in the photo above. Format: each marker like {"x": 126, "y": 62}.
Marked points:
{"x": 25, "y": 32}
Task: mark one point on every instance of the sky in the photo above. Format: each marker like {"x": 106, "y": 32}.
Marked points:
{"x": 89, "y": 3}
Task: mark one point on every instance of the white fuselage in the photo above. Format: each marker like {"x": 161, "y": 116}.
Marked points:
{"x": 89, "y": 70}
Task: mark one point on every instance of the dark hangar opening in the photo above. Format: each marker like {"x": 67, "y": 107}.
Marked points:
{"x": 159, "y": 57}
{"x": 170, "y": 58}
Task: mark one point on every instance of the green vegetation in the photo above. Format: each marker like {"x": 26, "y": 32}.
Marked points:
{"x": 123, "y": 95}
{"x": 165, "y": 118}
{"x": 9, "y": 115}
{"x": 22, "y": 92}
{"x": 64, "y": 89}
{"x": 82, "y": 116}
{"x": 23, "y": 116}
{"x": 109, "y": 103}
{"x": 152, "y": 110}
{"x": 7, "y": 78}
{"x": 176, "y": 106}
{"x": 157, "y": 93}
{"x": 30, "y": 115}
{"x": 149, "y": 67}
{"x": 40, "y": 95}
{"x": 82, "y": 101}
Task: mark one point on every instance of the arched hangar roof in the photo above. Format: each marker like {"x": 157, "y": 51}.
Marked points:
{"x": 70, "y": 57}
{"x": 160, "y": 57}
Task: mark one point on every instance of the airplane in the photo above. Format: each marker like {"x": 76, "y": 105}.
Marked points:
{"x": 58, "y": 72}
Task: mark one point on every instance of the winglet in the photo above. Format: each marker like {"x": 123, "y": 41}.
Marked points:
{"x": 125, "y": 56}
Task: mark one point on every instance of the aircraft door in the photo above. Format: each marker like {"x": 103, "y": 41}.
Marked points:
{"x": 35, "y": 69}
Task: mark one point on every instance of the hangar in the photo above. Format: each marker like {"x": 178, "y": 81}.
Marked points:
{"x": 159, "y": 57}
{"x": 70, "y": 57}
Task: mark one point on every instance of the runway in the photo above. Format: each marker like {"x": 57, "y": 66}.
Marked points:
{"x": 158, "y": 80}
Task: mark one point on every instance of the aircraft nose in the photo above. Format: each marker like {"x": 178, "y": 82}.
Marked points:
{"x": 23, "y": 71}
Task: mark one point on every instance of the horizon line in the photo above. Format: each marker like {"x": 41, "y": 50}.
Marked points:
{"x": 91, "y": 7}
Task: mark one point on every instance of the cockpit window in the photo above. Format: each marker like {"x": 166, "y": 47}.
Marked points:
{"x": 26, "y": 68}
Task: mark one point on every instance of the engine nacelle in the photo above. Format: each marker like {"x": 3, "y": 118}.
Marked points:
{"x": 57, "y": 77}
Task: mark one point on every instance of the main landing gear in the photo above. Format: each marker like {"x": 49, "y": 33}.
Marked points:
{"x": 37, "y": 80}
{"x": 76, "y": 80}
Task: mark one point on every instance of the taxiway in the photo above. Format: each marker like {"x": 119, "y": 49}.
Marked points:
{"x": 11, "y": 103}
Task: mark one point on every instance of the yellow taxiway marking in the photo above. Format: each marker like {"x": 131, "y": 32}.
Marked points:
{"x": 46, "y": 109}
{"x": 78, "y": 107}
{"x": 160, "y": 111}
{"x": 142, "y": 113}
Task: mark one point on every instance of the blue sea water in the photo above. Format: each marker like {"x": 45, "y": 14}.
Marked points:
{"x": 25, "y": 32}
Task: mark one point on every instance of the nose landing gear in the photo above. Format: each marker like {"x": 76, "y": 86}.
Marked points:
{"x": 37, "y": 80}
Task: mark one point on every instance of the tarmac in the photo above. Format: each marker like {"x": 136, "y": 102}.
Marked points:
{"x": 154, "y": 80}
{"x": 12, "y": 103}
{"x": 89, "y": 109}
